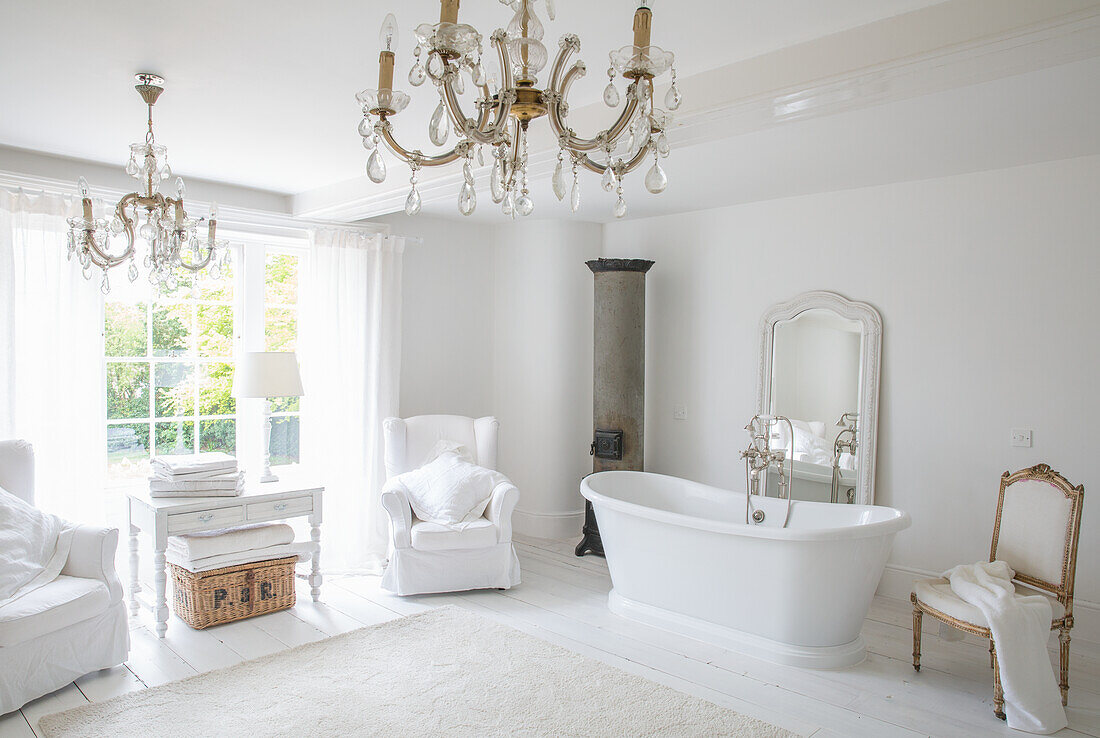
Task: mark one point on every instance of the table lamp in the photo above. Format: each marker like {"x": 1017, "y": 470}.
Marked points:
{"x": 264, "y": 374}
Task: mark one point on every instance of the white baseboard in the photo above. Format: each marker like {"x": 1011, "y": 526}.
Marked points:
{"x": 555, "y": 526}
{"x": 897, "y": 583}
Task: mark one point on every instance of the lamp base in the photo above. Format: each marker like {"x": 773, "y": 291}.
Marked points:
{"x": 269, "y": 477}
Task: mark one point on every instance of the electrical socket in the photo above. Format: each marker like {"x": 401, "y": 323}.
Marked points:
{"x": 1021, "y": 437}
{"x": 679, "y": 412}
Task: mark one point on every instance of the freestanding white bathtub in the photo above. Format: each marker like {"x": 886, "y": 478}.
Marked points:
{"x": 683, "y": 559}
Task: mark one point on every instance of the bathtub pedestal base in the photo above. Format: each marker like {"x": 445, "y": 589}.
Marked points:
{"x": 808, "y": 657}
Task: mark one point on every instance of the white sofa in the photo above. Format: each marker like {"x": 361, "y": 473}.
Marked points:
{"x": 73, "y": 625}
{"x": 425, "y": 557}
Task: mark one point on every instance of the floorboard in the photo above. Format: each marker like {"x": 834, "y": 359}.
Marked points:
{"x": 563, "y": 599}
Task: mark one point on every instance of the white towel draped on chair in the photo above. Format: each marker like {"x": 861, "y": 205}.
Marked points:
{"x": 1020, "y": 626}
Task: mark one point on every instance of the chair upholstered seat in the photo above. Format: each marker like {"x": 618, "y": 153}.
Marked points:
{"x": 937, "y": 594}
{"x": 63, "y": 602}
{"x": 434, "y": 537}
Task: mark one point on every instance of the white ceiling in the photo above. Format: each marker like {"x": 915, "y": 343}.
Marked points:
{"x": 261, "y": 94}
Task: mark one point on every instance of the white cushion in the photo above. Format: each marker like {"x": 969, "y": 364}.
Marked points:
{"x": 1034, "y": 523}
{"x": 434, "y": 537}
{"x": 450, "y": 490}
{"x": 57, "y": 605}
{"x": 937, "y": 594}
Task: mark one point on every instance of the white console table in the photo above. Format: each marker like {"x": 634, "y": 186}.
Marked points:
{"x": 290, "y": 497}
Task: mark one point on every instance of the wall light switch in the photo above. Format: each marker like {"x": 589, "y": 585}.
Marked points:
{"x": 679, "y": 412}
{"x": 1021, "y": 437}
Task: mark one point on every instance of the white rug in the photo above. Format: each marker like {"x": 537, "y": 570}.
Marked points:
{"x": 443, "y": 672}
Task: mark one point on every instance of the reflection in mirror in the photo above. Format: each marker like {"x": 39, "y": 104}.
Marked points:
{"x": 819, "y": 368}
{"x": 815, "y": 383}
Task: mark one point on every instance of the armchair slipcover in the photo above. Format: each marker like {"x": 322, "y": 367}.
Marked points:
{"x": 69, "y": 627}
{"x": 426, "y": 557}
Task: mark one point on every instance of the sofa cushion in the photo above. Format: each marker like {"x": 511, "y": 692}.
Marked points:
{"x": 434, "y": 537}
{"x": 937, "y": 594}
{"x": 57, "y": 605}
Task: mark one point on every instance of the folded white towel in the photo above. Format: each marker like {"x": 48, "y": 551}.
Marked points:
{"x": 208, "y": 463}
{"x": 302, "y": 550}
{"x": 1020, "y": 627}
{"x": 226, "y": 483}
{"x": 230, "y": 540}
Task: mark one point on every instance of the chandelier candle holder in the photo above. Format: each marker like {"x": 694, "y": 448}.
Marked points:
{"x": 173, "y": 237}
{"x": 452, "y": 53}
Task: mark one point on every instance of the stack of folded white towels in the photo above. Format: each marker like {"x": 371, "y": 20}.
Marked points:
{"x": 214, "y": 549}
{"x": 210, "y": 474}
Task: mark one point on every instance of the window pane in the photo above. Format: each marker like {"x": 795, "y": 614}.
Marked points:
{"x": 284, "y": 404}
{"x": 125, "y": 329}
{"x": 215, "y": 385}
{"x": 218, "y": 435}
{"x": 175, "y": 438}
{"x": 127, "y": 390}
{"x": 281, "y": 328}
{"x": 216, "y": 330}
{"x": 127, "y": 450}
{"x": 174, "y": 384}
{"x": 171, "y": 329}
{"x": 281, "y": 279}
{"x": 220, "y": 290}
{"x": 284, "y": 440}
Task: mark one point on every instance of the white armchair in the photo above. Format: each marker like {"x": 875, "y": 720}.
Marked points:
{"x": 73, "y": 625}
{"x": 426, "y": 557}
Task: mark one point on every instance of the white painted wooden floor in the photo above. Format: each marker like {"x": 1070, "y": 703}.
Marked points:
{"x": 563, "y": 600}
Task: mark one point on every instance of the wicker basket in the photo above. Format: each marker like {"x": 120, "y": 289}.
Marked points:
{"x": 233, "y": 592}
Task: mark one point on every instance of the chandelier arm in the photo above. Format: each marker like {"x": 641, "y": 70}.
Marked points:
{"x": 104, "y": 259}
{"x": 410, "y": 157}
{"x": 472, "y": 129}
{"x": 606, "y": 137}
{"x": 503, "y": 104}
{"x": 635, "y": 161}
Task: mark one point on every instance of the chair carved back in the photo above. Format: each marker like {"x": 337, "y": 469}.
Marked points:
{"x": 1037, "y": 528}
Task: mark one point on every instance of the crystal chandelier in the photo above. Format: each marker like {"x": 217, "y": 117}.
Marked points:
{"x": 452, "y": 54}
{"x": 173, "y": 237}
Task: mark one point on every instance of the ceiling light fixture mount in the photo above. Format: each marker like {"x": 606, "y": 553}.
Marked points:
{"x": 174, "y": 242}
{"x": 454, "y": 53}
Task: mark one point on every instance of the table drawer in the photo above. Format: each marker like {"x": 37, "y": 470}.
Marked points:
{"x": 220, "y": 517}
{"x": 275, "y": 509}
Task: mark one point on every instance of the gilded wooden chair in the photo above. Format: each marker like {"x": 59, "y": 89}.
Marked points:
{"x": 1035, "y": 532}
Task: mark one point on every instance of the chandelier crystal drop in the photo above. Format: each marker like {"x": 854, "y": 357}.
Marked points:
{"x": 172, "y": 236}
{"x": 448, "y": 50}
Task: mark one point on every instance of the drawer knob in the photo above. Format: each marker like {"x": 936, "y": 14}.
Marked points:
{"x": 206, "y": 517}
{"x": 280, "y": 506}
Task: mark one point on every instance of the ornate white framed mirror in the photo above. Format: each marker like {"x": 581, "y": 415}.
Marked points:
{"x": 820, "y": 355}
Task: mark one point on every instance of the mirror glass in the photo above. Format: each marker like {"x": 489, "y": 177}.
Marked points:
{"x": 815, "y": 383}
{"x": 820, "y": 358}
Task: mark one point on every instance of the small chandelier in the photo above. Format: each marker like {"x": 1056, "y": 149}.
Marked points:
{"x": 172, "y": 236}
{"x": 453, "y": 53}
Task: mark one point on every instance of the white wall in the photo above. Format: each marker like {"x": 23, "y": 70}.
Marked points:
{"x": 543, "y": 380}
{"x": 498, "y": 321}
{"x": 986, "y": 285}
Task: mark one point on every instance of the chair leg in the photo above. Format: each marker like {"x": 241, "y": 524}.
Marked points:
{"x": 918, "y": 615}
{"x": 990, "y": 653}
{"x": 998, "y": 691}
{"x": 1063, "y": 663}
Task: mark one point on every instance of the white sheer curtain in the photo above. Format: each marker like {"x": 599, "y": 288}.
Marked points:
{"x": 350, "y": 353}
{"x": 51, "y": 357}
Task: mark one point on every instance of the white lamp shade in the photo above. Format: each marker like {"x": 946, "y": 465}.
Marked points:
{"x": 267, "y": 374}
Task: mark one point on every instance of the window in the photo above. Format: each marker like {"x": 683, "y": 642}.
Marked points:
{"x": 169, "y": 371}
{"x": 281, "y": 283}
{"x": 169, "y": 359}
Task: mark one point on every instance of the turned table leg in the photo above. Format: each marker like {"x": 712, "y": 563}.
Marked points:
{"x": 135, "y": 582}
{"x": 315, "y": 566}
{"x": 160, "y": 580}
